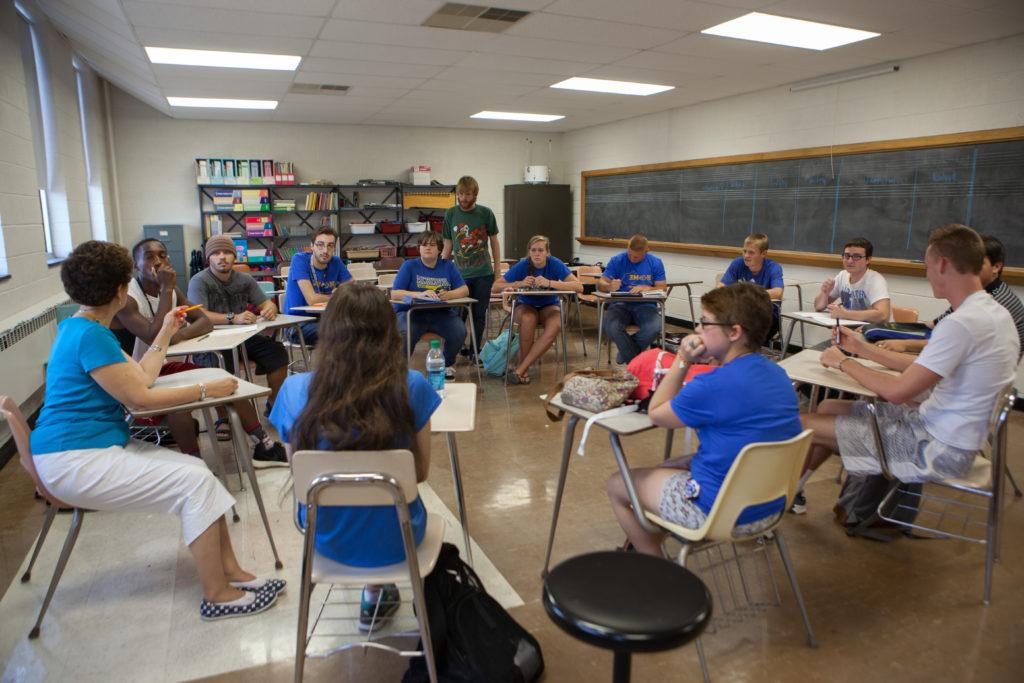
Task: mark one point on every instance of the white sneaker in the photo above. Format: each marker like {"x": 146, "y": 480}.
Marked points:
{"x": 449, "y": 372}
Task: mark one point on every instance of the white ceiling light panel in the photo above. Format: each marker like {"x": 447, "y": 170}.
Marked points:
{"x": 768, "y": 28}
{"x": 217, "y": 58}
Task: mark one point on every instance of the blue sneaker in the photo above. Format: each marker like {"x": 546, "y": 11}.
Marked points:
{"x": 377, "y": 606}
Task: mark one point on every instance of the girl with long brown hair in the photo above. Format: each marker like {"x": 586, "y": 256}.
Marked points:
{"x": 360, "y": 396}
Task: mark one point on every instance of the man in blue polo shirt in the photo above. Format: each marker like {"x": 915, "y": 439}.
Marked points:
{"x": 755, "y": 266}
{"x": 635, "y": 271}
{"x": 313, "y": 277}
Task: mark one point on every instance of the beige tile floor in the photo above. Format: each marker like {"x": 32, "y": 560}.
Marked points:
{"x": 908, "y": 610}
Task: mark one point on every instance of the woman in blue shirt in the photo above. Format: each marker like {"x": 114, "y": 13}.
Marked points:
{"x": 746, "y": 400}
{"x": 362, "y": 396}
{"x": 539, "y": 270}
{"x": 81, "y": 447}
{"x": 430, "y": 278}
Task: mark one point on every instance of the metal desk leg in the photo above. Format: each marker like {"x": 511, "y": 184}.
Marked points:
{"x": 239, "y": 438}
{"x": 579, "y": 319}
{"x": 214, "y": 461}
{"x": 669, "y": 433}
{"x": 511, "y": 327}
{"x": 476, "y": 349}
{"x": 570, "y": 434}
{"x": 689, "y": 299}
{"x": 460, "y": 501}
{"x": 663, "y": 307}
{"x": 789, "y": 337}
{"x": 600, "y": 325}
{"x": 302, "y": 345}
{"x": 565, "y": 349}
{"x": 627, "y": 478}
{"x": 408, "y": 334}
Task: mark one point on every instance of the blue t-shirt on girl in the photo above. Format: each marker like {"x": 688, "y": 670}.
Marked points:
{"x": 554, "y": 269}
{"x": 416, "y": 276}
{"x": 359, "y": 536}
{"x": 768, "y": 411}
{"x": 324, "y": 281}
{"x": 647, "y": 272}
{"x": 78, "y": 413}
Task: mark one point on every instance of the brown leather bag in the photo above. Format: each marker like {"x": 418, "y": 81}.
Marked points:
{"x": 592, "y": 390}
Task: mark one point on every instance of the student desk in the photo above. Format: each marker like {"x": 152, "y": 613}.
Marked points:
{"x": 818, "y": 318}
{"x": 280, "y": 321}
{"x": 246, "y": 391}
{"x": 426, "y": 305}
{"x": 457, "y": 413}
{"x": 220, "y": 340}
{"x": 314, "y": 309}
{"x": 562, "y": 295}
{"x": 806, "y": 368}
{"x": 617, "y": 427}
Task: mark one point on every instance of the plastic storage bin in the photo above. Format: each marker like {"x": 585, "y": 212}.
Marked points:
{"x": 362, "y": 228}
{"x": 416, "y": 227}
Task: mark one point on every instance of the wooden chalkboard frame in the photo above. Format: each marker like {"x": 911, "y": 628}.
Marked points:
{"x": 1013, "y": 276}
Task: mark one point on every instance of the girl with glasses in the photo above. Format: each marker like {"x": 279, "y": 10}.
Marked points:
{"x": 747, "y": 399}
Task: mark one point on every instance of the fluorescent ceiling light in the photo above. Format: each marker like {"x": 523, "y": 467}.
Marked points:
{"x": 221, "y": 103}
{"x": 768, "y": 28}
{"x": 515, "y": 116}
{"x": 232, "y": 60}
{"x": 617, "y": 87}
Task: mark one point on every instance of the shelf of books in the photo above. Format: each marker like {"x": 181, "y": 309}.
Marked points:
{"x": 271, "y": 217}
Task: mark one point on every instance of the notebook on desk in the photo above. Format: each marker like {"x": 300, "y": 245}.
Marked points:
{"x": 649, "y": 294}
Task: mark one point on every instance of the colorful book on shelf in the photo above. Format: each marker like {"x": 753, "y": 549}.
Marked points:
{"x": 259, "y": 226}
{"x": 241, "y": 248}
{"x": 255, "y": 200}
{"x": 214, "y": 225}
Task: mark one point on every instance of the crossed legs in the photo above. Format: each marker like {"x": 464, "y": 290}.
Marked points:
{"x": 823, "y": 422}
{"x": 649, "y": 482}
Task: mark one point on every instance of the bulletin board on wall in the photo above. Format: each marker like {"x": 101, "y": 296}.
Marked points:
{"x": 810, "y": 201}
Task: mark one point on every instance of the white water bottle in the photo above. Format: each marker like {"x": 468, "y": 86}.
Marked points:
{"x": 435, "y": 365}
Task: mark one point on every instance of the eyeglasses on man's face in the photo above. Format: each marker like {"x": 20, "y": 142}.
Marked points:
{"x": 710, "y": 323}
{"x": 852, "y": 257}
{"x": 324, "y": 245}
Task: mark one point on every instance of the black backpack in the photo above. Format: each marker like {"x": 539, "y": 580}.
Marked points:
{"x": 860, "y": 496}
{"x": 475, "y": 639}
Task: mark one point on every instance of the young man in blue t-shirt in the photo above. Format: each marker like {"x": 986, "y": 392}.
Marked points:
{"x": 634, "y": 270}
{"x": 433, "y": 279}
{"x": 755, "y": 266}
{"x": 313, "y": 277}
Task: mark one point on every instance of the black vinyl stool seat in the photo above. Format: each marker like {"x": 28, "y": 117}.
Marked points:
{"x": 627, "y": 602}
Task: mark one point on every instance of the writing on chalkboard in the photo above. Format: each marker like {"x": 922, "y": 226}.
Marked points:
{"x": 816, "y": 203}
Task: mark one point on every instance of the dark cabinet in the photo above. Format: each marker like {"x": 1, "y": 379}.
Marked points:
{"x": 538, "y": 210}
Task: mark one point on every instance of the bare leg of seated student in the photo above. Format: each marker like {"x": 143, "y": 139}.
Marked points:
{"x": 529, "y": 348}
{"x": 649, "y": 482}
{"x": 823, "y": 422}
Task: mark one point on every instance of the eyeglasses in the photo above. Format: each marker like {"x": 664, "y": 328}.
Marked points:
{"x": 324, "y": 245}
{"x": 705, "y": 323}
{"x": 853, "y": 257}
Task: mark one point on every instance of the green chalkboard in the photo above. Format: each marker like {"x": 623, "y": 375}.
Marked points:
{"x": 815, "y": 203}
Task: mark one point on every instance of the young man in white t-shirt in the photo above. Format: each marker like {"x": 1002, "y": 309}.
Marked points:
{"x": 972, "y": 355}
{"x": 856, "y": 293}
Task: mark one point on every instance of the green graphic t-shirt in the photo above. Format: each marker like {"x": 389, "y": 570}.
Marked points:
{"x": 469, "y": 232}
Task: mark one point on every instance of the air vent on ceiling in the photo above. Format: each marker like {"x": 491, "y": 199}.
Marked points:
{"x": 318, "y": 89}
{"x": 474, "y": 18}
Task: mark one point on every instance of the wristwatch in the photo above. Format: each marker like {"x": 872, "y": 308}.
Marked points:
{"x": 231, "y": 318}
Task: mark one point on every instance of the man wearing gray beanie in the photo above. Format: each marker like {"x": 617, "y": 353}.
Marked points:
{"x": 231, "y": 297}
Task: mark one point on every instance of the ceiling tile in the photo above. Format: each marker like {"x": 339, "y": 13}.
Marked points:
{"x": 253, "y": 24}
{"x": 470, "y": 74}
{"x": 370, "y": 68}
{"x": 679, "y": 15}
{"x": 206, "y": 40}
{"x": 491, "y": 61}
{"x": 569, "y": 29}
{"x": 524, "y": 46}
{"x": 304, "y": 76}
{"x": 868, "y": 15}
{"x": 393, "y": 54}
{"x": 212, "y": 74}
{"x": 311, "y": 8}
{"x": 405, "y": 36}
{"x": 413, "y": 12}
{"x": 717, "y": 47}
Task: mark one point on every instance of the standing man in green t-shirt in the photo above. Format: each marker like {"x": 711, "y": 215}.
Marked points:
{"x": 468, "y": 230}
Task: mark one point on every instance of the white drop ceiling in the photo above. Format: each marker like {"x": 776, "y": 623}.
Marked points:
{"x": 402, "y": 73}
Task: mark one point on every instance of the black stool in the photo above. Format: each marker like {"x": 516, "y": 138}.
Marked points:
{"x": 627, "y": 602}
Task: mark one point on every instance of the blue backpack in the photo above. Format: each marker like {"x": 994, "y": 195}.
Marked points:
{"x": 493, "y": 353}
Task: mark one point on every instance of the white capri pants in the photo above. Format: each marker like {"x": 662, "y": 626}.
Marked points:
{"x": 138, "y": 476}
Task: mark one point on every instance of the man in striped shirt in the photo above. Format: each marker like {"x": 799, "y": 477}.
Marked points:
{"x": 992, "y": 268}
